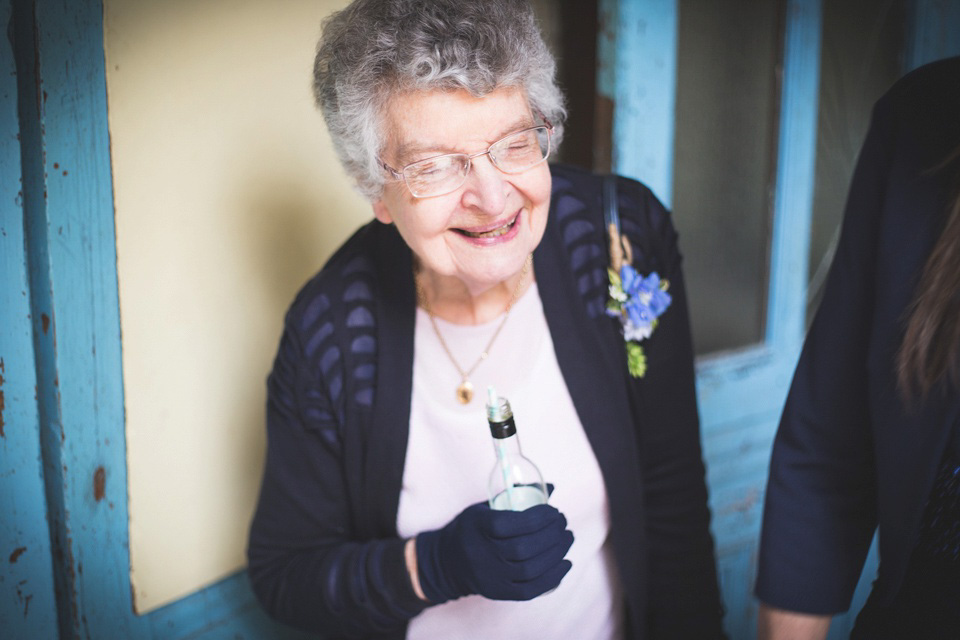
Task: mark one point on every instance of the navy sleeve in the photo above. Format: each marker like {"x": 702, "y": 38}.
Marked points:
{"x": 684, "y": 598}
{"x": 820, "y": 511}
{"x": 305, "y": 564}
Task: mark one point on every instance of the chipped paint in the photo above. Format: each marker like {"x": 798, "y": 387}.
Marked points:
{"x": 747, "y": 503}
{"x": 2, "y": 405}
{"x": 3, "y": 433}
{"x": 99, "y": 483}
{"x": 19, "y": 551}
{"x": 25, "y": 599}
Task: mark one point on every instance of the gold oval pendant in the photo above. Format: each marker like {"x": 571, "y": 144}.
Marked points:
{"x": 465, "y": 392}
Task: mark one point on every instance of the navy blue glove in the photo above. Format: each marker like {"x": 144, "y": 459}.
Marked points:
{"x": 501, "y": 555}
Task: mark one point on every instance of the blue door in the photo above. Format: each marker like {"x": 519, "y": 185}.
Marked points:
{"x": 669, "y": 75}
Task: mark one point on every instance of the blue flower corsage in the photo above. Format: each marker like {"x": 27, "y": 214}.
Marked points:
{"x": 637, "y": 301}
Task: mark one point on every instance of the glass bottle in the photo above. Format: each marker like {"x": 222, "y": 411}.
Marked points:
{"x": 515, "y": 482}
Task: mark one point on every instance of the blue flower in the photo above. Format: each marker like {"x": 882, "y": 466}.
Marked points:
{"x": 637, "y": 301}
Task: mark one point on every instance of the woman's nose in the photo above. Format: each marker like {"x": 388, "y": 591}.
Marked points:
{"x": 486, "y": 187}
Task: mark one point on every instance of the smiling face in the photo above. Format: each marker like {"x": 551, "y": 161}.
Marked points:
{"x": 481, "y": 233}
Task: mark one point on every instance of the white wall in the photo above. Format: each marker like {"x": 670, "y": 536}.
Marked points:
{"x": 228, "y": 197}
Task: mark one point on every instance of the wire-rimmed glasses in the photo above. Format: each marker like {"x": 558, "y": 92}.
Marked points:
{"x": 443, "y": 174}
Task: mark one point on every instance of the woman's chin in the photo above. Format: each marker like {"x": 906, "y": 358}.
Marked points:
{"x": 481, "y": 277}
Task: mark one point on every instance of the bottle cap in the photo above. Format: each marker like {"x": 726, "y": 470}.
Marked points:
{"x": 499, "y": 416}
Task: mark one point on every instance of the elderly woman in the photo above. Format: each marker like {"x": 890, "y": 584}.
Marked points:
{"x": 484, "y": 266}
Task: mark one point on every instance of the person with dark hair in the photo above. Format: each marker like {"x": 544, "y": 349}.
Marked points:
{"x": 870, "y": 434}
{"x": 485, "y": 266}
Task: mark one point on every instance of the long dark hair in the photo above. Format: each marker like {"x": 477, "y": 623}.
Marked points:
{"x": 930, "y": 350}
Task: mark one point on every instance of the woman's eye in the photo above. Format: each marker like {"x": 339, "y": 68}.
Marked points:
{"x": 431, "y": 172}
{"x": 519, "y": 144}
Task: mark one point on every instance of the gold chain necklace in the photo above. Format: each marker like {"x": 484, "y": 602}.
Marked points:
{"x": 465, "y": 388}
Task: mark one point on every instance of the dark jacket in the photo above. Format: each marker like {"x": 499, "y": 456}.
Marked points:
{"x": 849, "y": 454}
{"x": 324, "y": 553}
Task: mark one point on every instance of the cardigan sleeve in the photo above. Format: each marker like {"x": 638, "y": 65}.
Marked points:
{"x": 820, "y": 511}
{"x": 684, "y": 598}
{"x": 306, "y": 566}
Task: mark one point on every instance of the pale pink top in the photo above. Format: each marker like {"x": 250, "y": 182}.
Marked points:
{"x": 450, "y": 455}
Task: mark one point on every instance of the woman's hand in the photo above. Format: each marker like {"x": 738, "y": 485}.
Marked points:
{"x": 501, "y": 555}
{"x": 777, "y": 624}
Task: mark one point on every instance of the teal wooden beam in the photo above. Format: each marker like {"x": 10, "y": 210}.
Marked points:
{"x": 68, "y": 202}
{"x": 27, "y": 602}
{"x": 637, "y": 54}
{"x": 793, "y": 196}
{"x": 227, "y": 609}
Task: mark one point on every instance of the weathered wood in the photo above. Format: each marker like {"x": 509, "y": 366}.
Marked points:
{"x": 638, "y": 73}
{"x": 70, "y": 242}
{"x": 27, "y": 603}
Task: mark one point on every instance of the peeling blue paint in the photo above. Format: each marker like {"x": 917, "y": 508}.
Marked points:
{"x": 27, "y": 602}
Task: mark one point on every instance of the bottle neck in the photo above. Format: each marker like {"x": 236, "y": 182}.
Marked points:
{"x": 507, "y": 446}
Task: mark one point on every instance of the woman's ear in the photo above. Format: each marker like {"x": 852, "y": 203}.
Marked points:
{"x": 381, "y": 212}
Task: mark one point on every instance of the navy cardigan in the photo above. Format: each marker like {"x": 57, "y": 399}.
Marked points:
{"x": 324, "y": 553}
{"x": 849, "y": 454}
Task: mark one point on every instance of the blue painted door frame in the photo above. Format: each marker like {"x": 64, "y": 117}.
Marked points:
{"x": 63, "y": 484}
{"x": 741, "y": 393}
{"x": 27, "y": 605}
{"x": 64, "y": 474}
{"x": 67, "y": 226}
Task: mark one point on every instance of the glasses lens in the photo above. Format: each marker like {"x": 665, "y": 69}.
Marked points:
{"x": 522, "y": 150}
{"x": 435, "y": 176}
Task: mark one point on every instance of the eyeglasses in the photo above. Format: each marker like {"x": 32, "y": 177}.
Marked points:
{"x": 445, "y": 174}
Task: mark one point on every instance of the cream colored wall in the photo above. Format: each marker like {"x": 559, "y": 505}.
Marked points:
{"x": 228, "y": 197}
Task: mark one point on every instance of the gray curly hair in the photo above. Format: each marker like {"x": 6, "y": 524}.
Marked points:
{"x": 374, "y": 49}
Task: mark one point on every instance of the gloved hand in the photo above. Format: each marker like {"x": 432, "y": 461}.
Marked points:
{"x": 501, "y": 555}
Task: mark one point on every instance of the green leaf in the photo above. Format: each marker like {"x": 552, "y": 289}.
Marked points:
{"x": 636, "y": 360}
{"x": 614, "y": 278}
